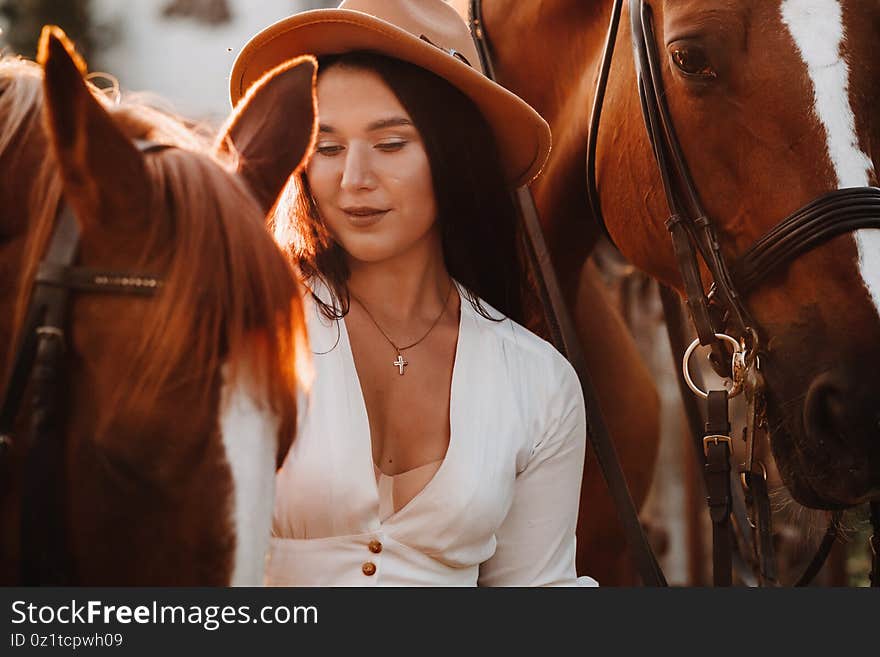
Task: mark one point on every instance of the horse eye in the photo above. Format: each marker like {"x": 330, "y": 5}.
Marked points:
{"x": 692, "y": 61}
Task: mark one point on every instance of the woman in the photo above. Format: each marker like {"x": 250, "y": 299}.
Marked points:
{"x": 444, "y": 443}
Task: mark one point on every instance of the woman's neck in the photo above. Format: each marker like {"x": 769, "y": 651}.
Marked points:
{"x": 409, "y": 287}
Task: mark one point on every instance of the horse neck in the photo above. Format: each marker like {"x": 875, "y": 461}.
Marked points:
{"x": 547, "y": 53}
{"x": 539, "y": 27}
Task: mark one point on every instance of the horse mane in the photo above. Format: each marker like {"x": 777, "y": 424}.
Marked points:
{"x": 229, "y": 294}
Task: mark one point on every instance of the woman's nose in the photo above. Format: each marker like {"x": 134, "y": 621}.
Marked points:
{"x": 358, "y": 172}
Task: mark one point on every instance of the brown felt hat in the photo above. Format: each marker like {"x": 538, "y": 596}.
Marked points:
{"x": 428, "y": 33}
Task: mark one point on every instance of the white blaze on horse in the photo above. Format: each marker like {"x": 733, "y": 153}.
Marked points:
{"x": 774, "y": 106}
{"x": 173, "y": 322}
{"x": 818, "y": 31}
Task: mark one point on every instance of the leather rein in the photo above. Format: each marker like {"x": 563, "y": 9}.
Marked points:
{"x": 39, "y": 361}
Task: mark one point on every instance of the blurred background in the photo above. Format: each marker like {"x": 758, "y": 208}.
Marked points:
{"x": 180, "y": 49}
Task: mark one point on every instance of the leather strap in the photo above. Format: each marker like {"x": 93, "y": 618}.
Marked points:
{"x": 61, "y": 252}
{"x": 875, "y": 544}
{"x": 833, "y": 214}
{"x": 596, "y": 117}
{"x": 43, "y": 525}
{"x": 717, "y": 445}
{"x": 693, "y": 284}
{"x": 85, "y": 279}
{"x": 822, "y": 553}
{"x": 766, "y": 555}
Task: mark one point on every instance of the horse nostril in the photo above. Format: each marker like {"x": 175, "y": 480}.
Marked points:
{"x": 827, "y": 409}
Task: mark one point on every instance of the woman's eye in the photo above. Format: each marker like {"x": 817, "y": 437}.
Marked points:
{"x": 692, "y": 61}
{"x": 328, "y": 149}
{"x": 390, "y": 146}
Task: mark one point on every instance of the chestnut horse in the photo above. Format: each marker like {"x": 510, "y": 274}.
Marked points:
{"x": 774, "y": 103}
{"x": 175, "y": 408}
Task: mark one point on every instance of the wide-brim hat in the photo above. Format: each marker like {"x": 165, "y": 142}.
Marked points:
{"x": 428, "y": 33}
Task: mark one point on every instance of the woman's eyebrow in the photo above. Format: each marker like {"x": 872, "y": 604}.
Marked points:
{"x": 389, "y": 123}
{"x": 381, "y": 124}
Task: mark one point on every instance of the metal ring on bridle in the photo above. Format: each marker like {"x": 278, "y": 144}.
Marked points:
{"x": 737, "y": 385}
{"x": 52, "y": 331}
{"x": 743, "y": 476}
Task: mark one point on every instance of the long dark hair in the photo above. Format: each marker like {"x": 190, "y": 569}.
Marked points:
{"x": 479, "y": 223}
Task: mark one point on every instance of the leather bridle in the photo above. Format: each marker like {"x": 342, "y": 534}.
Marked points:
{"x": 720, "y": 310}
{"x": 693, "y": 231}
{"x": 39, "y": 361}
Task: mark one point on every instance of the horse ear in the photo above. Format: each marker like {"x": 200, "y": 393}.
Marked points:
{"x": 100, "y": 166}
{"x": 272, "y": 129}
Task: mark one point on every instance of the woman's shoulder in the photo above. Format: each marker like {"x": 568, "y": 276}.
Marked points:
{"x": 544, "y": 384}
{"x": 528, "y": 349}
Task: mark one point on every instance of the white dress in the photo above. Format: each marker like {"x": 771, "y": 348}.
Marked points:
{"x": 502, "y": 506}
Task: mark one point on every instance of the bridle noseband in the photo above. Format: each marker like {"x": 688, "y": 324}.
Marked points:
{"x": 38, "y": 360}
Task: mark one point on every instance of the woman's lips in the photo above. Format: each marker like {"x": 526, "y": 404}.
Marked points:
{"x": 364, "y": 217}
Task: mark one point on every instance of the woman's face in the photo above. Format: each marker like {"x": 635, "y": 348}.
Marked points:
{"x": 370, "y": 174}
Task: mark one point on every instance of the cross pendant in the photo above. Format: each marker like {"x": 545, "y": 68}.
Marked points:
{"x": 400, "y": 363}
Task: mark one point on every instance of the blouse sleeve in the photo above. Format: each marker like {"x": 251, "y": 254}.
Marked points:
{"x": 536, "y": 540}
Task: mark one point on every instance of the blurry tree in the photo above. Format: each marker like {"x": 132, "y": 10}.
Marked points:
{"x": 23, "y": 19}
{"x": 212, "y": 12}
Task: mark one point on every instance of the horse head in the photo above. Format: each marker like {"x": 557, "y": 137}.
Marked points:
{"x": 774, "y": 105}
{"x": 177, "y": 406}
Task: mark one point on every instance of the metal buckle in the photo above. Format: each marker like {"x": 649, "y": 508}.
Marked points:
{"x": 717, "y": 440}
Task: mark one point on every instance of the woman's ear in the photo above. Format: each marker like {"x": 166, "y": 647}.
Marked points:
{"x": 272, "y": 129}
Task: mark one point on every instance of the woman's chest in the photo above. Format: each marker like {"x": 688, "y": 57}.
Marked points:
{"x": 330, "y": 485}
{"x": 406, "y": 397}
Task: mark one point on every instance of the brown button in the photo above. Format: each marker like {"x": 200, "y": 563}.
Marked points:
{"x": 375, "y": 546}
{"x": 369, "y": 568}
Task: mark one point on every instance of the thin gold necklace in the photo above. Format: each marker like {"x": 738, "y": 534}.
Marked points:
{"x": 402, "y": 362}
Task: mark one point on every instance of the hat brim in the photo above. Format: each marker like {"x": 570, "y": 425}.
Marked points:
{"x": 523, "y": 136}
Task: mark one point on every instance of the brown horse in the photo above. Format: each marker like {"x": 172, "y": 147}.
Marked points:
{"x": 177, "y": 407}
{"x": 774, "y": 103}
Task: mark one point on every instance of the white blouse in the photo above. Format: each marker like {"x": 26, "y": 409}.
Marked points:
{"x": 500, "y": 511}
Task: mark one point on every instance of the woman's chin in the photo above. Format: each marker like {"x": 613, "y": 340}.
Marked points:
{"x": 375, "y": 249}
{"x": 370, "y": 254}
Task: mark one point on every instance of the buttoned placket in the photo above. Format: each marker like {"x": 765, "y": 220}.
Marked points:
{"x": 373, "y": 560}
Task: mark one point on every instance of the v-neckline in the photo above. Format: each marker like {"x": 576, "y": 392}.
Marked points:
{"x": 364, "y": 421}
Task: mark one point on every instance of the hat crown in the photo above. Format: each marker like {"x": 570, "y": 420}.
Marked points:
{"x": 426, "y": 33}
{"x": 433, "y": 21}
